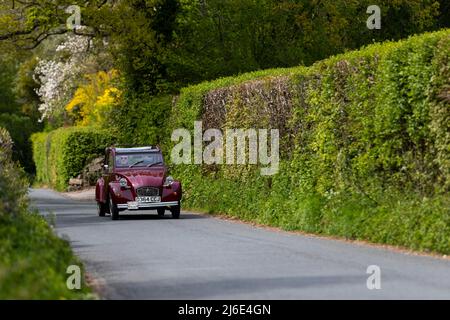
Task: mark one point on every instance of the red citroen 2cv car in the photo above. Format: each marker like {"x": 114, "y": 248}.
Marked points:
{"x": 135, "y": 179}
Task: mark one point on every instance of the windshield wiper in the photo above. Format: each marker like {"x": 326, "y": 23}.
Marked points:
{"x": 137, "y": 162}
{"x": 152, "y": 164}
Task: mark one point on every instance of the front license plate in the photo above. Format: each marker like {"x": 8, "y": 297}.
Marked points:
{"x": 148, "y": 199}
{"x": 133, "y": 205}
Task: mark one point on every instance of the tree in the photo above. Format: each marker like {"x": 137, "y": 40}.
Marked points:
{"x": 161, "y": 45}
{"x": 142, "y": 30}
{"x": 27, "y": 23}
{"x": 12, "y": 117}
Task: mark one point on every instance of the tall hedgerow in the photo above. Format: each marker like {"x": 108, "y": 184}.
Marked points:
{"x": 62, "y": 154}
{"x": 365, "y": 144}
{"x": 33, "y": 260}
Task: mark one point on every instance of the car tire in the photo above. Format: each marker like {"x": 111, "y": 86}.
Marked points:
{"x": 161, "y": 212}
{"x": 176, "y": 212}
{"x": 101, "y": 209}
{"x": 113, "y": 209}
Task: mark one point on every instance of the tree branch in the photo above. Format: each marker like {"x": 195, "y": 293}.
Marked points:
{"x": 18, "y": 33}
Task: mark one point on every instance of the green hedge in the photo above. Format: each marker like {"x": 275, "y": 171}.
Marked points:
{"x": 33, "y": 260}
{"x": 365, "y": 144}
{"x": 20, "y": 129}
{"x": 61, "y": 154}
{"x": 141, "y": 119}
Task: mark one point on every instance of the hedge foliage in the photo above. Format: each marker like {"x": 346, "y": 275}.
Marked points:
{"x": 33, "y": 260}
{"x": 365, "y": 144}
{"x": 62, "y": 154}
{"x": 141, "y": 119}
{"x": 20, "y": 128}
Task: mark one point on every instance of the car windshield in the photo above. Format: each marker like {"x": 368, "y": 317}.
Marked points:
{"x": 144, "y": 159}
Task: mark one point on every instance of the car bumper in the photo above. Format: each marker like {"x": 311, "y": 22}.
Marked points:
{"x": 149, "y": 205}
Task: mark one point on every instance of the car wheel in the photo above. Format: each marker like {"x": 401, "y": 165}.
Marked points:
{"x": 101, "y": 209}
{"x": 176, "y": 212}
{"x": 113, "y": 209}
{"x": 161, "y": 212}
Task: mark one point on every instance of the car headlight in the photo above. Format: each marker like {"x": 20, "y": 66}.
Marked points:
{"x": 169, "y": 181}
{"x": 123, "y": 182}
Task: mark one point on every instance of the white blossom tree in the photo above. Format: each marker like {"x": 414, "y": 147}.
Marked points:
{"x": 59, "y": 77}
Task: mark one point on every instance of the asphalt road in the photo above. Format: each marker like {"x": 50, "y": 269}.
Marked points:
{"x": 199, "y": 257}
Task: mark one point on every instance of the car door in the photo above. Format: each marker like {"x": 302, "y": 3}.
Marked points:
{"x": 108, "y": 172}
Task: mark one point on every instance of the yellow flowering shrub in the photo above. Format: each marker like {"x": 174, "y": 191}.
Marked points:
{"x": 93, "y": 101}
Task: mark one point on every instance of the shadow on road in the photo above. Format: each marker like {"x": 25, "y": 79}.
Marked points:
{"x": 72, "y": 217}
{"x": 66, "y": 210}
{"x": 154, "y": 216}
{"x": 257, "y": 287}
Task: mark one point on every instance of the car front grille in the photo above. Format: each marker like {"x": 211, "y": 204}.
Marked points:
{"x": 147, "y": 192}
